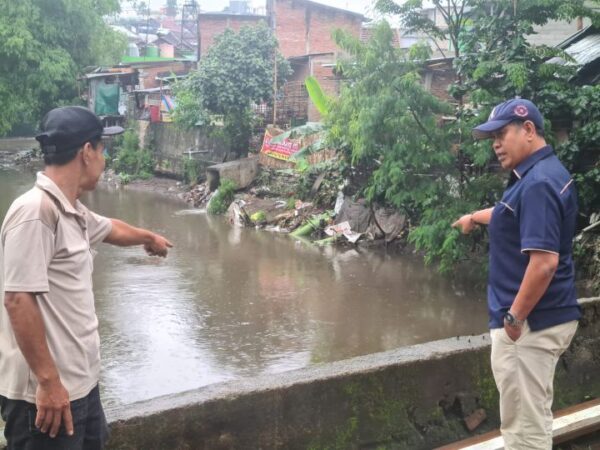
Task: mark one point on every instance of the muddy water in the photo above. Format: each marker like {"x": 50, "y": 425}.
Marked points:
{"x": 231, "y": 303}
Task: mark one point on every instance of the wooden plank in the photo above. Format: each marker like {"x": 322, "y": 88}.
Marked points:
{"x": 568, "y": 424}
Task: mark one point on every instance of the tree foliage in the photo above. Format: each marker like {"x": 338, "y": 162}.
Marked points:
{"x": 390, "y": 129}
{"x": 44, "y": 46}
{"x": 388, "y": 126}
{"x": 236, "y": 73}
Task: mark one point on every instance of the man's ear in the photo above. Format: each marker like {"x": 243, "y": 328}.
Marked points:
{"x": 86, "y": 152}
{"x": 529, "y": 127}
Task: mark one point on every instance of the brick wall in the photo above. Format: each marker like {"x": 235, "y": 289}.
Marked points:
{"x": 323, "y": 22}
{"x": 321, "y": 67}
{"x": 212, "y": 25}
{"x": 304, "y": 28}
{"x": 291, "y": 27}
{"x": 301, "y": 28}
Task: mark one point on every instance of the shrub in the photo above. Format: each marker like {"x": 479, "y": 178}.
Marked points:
{"x": 222, "y": 198}
{"x": 131, "y": 160}
{"x": 191, "y": 170}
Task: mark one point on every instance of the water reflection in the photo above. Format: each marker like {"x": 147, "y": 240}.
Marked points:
{"x": 233, "y": 302}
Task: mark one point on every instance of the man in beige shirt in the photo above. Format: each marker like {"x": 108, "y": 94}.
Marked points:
{"x": 49, "y": 342}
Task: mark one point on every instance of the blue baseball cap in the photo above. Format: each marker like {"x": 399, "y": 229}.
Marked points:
{"x": 517, "y": 109}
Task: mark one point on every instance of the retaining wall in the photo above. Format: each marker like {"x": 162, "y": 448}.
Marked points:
{"x": 18, "y": 144}
{"x": 241, "y": 171}
{"x": 171, "y": 147}
{"x": 415, "y": 397}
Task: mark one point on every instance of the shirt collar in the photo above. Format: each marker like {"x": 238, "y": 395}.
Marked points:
{"x": 531, "y": 161}
{"x": 46, "y": 184}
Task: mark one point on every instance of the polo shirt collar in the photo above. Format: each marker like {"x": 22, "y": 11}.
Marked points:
{"x": 531, "y": 161}
{"x": 46, "y": 184}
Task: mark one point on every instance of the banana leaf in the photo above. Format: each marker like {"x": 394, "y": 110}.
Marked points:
{"x": 317, "y": 95}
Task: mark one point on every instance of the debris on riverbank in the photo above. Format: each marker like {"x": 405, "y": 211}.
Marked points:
{"x": 25, "y": 159}
{"x": 311, "y": 206}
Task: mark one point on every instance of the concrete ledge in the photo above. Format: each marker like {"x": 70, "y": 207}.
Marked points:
{"x": 18, "y": 144}
{"x": 413, "y": 397}
{"x": 241, "y": 171}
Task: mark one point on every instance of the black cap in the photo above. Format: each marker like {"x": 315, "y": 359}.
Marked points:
{"x": 70, "y": 127}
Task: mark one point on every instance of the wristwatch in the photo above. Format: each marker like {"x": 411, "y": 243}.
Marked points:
{"x": 512, "y": 320}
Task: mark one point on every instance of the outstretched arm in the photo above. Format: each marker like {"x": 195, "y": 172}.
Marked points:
{"x": 125, "y": 235}
{"x": 467, "y": 222}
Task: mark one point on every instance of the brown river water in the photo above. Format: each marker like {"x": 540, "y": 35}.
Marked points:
{"x": 230, "y": 303}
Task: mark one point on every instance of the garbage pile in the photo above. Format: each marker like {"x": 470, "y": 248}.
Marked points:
{"x": 198, "y": 196}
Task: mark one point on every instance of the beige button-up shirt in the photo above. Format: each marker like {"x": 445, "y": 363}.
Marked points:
{"x": 46, "y": 249}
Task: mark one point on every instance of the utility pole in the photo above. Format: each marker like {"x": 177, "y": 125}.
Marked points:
{"x": 189, "y": 22}
{"x": 273, "y": 26}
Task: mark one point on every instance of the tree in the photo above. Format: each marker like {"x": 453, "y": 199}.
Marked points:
{"x": 236, "y": 74}
{"x": 44, "y": 46}
{"x": 388, "y": 126}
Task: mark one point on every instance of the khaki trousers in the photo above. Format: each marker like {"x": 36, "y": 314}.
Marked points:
{"x": 524, "y": 374}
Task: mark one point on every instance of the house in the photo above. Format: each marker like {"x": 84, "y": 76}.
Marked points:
{"x": 584, "y": 49}
{"x": 107, "y": 92}
{"x": 170, "y": 45}
{"x": 151, "y": 70}
{"x": 115, "y": 93}
{"x": 212, "y": 24}
{"x": 303, "y": 29}
{"x": 366, "y": 33}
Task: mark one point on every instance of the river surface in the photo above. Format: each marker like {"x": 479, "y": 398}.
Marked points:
{"x": 230, "y": 303}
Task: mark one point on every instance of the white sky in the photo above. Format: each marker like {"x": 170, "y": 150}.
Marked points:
{"x": 362, "y": 6}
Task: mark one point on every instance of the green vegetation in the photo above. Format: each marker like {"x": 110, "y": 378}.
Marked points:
{"x": 192, "y": 168}
{"x": 222, "y": 198}
{"x": 44, "y": 47}
{"x": 258, "y": 217}
{"x": 410, "y": 150}
{"x": 235, "y": 74}
{"x": 131, "y": 161}
{"x": 317, "y": 96}
{"x": 290, "y": 203}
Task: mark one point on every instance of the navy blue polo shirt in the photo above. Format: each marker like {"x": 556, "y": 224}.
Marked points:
{"x": 537, "y": 212}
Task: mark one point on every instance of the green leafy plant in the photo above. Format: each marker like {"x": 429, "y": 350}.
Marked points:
{"x": 222, "y": 198}
{"x": 44, "y": 48}
{"x": 401, "y": 152}
{"x": 130, "y": 159}
{"x": 317, "y": 96}
{"x": 191, "y": 170}
{"x": 290, "y": 203}
{"x": 258, "y": 217}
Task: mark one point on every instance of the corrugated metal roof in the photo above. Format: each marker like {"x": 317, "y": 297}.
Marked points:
{"x": 107, "y": 74}
{"x": 586, "y": 50}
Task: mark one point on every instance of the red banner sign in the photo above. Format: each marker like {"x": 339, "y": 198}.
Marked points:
{"x": 280, "y": 150}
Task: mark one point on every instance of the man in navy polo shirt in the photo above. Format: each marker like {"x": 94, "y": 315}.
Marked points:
{"x": 531, "y": 291}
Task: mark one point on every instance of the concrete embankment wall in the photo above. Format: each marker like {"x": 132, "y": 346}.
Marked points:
{"x": 18, "y": 144}
{"x": 415, "y": 397}
{"x": 171, "y": 147}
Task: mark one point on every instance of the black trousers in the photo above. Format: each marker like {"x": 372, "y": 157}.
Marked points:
{"x": 89, "y": 424}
